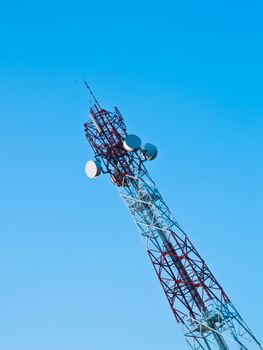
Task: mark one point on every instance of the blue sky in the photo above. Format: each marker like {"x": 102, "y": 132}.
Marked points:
{"x": 187, "y": 76}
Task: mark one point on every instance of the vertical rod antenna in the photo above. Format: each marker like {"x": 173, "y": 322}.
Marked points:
{"x": 91, "y": 93}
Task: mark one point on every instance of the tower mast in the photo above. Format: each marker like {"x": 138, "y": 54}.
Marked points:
{"x": 206, "y": 315}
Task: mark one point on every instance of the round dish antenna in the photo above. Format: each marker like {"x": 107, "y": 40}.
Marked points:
{"x": 132, "y": 143}
{"x": 149, "y": 151}
{"x": 92, "y": 169}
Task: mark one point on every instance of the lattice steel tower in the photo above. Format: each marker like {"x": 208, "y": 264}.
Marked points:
{"x": 208, "y": 318}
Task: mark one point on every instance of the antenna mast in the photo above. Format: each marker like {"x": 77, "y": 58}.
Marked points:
{"x": 199, "y": 304}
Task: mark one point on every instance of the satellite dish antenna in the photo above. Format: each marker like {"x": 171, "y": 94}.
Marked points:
{"x": 92, "y": 169}
{"x": 149, "y": 151}
{"x": 132, "y": 143}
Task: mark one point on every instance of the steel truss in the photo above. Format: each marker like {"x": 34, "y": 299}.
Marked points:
{"x": 199, "y": 304}
{"x": 205, "y": 313}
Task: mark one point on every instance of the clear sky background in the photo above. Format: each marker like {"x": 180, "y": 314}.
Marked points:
{"x": 187, "y": 76}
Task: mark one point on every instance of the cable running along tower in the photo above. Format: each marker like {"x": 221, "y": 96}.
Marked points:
{"x": 208, "y": 318}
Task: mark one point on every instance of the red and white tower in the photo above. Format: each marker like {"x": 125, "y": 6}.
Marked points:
{"x": 208, "y": 318}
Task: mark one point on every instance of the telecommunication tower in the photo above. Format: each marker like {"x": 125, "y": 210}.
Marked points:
{"x": 206, "y": 315}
